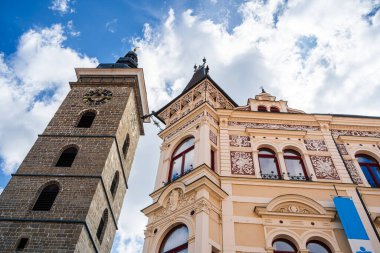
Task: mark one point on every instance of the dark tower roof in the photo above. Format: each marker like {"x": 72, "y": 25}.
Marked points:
{"x": 130, "y": 60}
{"x": 200, "y": 73}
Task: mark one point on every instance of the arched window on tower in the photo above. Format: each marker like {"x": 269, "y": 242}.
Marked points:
{"x": 269, "y": 168}
{"x": 102, "y": 226}
{"x": 86, "y": 119}
{"x": 176, "y": 240}
{"x": 46, "y": 199}
{"x": 262, "y": 108}
{"x": 126, "y": 146}
{"x": 371, "y": 169}
{"x": 284, "y": 246}
{"x": 114, "y": 184}
{"x": 274, "y": 109}
{"x": 182, "y": 159}
{"x": 294, "y": 165}
{"x": 67, "y": 157}
{"x": 317, "y": 247}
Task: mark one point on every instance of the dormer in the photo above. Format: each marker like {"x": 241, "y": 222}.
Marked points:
{"x": 265, "y": 102}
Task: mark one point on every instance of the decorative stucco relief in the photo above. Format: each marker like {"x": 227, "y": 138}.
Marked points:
{"x": 337, "y": 133}
{"x": 242, "y": 163}
{"x": 353, "y": 172}
{"x": 342, "y": 149}
{"x": 194, "y": 98}
{"x": 315, "y": 145}
{"x": 243, "y": 108}
{"x": 176, "y": 200}
{"x": 212, "y": 118}
{"x": 324, "y": 167}
{"x": 213, "y": 137}
{"x": 295, "y": 208}
{"x": 240, "y": 141}
{"x": 274, "y": 126}
{"x": 191, "y": 121}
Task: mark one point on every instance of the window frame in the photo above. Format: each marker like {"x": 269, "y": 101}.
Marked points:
{"x": 286, "y": 241}
{"x": 178, "y": 248}
{"x": 183, "y": 155}
{"x": 324, "y": 245}
{"x": 369, "y": 168}
{"x": 299, "y": 158}
{"x": 273, "y": 156}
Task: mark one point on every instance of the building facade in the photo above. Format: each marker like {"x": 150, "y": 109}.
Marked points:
{"x": 67, "y": 194}
{"x": 261, "y": 177}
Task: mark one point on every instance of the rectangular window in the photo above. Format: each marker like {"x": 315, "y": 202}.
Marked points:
{"x": 22, "y": 244}
{"x": 213, "y": 160}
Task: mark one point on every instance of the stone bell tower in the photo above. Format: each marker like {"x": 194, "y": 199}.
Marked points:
{"x": 67, "y": 194}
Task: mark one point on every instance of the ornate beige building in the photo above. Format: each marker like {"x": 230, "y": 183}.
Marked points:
{"x": 259, "y": 177}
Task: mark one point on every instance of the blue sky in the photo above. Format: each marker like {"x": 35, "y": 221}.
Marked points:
{"x": 322, "y": 56}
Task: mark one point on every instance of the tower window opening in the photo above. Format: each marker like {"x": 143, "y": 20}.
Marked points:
{"x": 182, "y": 159}
{"x": 126, "y": 146}
{"x": 86, "y": 120}
{"x": 114, "y": 184}
{"x": 262, "y": 108}
{"x": 274, "y": 109}
{"x": 22, "y": 244}
{"x": 67, "y": 157}
{"x": 46, "y": 199}
{"x": 102, "y": 226}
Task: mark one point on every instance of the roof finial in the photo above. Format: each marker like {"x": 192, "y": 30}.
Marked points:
{"x": 195, "y": 67}
{"x": 207, "y": 69}
{"x": 262, "y": 89}
{"x": 135, "y": 49}
{"x": 204, "y": 61}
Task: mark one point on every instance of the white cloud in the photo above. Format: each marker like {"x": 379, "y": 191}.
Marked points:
{"x": 62, "y": 6}
{"x": 1, "y": 189}
{"x": 71, "y": 29}
{"x": 313, "y": 56}
{"x": 111, "y": 26}
{"x": 33, "y": 83}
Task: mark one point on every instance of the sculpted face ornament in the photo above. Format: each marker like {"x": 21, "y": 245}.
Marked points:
{"x": 97, "y": 97}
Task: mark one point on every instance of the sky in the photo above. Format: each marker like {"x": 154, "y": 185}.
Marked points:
{"x": 321, "y": 56}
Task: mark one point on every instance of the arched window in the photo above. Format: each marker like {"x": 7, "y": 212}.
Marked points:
{"x": 67, "y": 157}
{"x": 370, "y": 168}
{"x": 294, "y": 165}
{"x": 86, "y": 119}
{"x": 102, "y": 226}
{"x": 268, "y": 164}
{"x": 182, "y": 159}
{"x": 126, "y": 146}
{"x": 46, "y": 199}
{"x": 317, "y": 247}
{"x": 114, "y": 184}
{"x": 176, "y": 240}
{"x": 274, "y": 109}
{"x": 262, "y": 108}
{"x": 284, "y": 246}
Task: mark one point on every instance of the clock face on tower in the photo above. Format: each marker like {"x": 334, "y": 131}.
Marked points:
{"x": 97, "y": 97}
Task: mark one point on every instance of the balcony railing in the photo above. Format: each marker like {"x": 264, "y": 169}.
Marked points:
{"x": 271, "y": 175}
